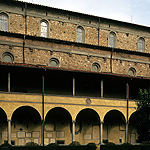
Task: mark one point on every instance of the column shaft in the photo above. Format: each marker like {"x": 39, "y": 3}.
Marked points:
{"x": 9, "y": 131}
{"x": 73, "y": 131}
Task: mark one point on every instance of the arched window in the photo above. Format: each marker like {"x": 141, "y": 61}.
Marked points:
{"x": 54, "y": 62}
{"x": 44, "y": 29}
{"x": 112, "y": 39}
{"x": 80, "y": 34}
{"x": 96, "y": 67}
{"x": 141, "y": 44}
{"x": 132, "y": 71}
{"x": 7, "y": 57}
{"x": 3, "y": 22}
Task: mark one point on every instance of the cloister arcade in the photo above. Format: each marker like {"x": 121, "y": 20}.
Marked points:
{"x": 25, "y": 126}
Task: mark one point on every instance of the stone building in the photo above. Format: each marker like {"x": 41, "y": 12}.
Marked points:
{"x": 67, "y": 76}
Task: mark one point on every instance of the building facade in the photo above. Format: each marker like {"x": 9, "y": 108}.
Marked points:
{"x": 67, "y": 76}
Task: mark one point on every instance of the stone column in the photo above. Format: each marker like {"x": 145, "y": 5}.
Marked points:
{"x": 73, "y": 131}
{"x": 8, "y": 81}
{"x": 9, "y": 131}
{"x": 101, "y": 132}
{"x": 102, "y": 88}
{"x": 126, "y": 136}
{"x": 74, "y": 89}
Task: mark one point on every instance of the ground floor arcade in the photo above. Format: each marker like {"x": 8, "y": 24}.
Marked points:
{"x": 63, "y": 127}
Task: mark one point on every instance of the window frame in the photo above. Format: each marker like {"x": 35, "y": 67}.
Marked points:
{"x": 110, "y": 38}
{"x": 54, "y": 59}
{"x": 47, "y": 32}
{"x": 80, "y": 38}
{"x": 7, "y": 21}
{"x": 134, "y": 71}
{"x": 139, "y": 44}
{"x": 96, "y": 64}
{"x": 8, "y": 54}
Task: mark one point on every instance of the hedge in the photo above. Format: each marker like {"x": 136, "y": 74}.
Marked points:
{"x": 125, "y": 147}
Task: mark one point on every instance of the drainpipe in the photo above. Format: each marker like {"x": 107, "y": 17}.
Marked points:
{"x": 24, "y": 37}
{"x": 42, "y": 140}
{"x": 111, "y": 59}
{"x": 127, "y": 123}
{"x": 98, "y": 29}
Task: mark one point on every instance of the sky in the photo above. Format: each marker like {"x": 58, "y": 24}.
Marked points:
{"x": 132, "y": 11}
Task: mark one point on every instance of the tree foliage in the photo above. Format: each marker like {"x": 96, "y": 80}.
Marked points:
{"x": 143, "y": 116}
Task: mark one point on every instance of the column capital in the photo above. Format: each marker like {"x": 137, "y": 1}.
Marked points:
{"x": 102, "y": 122}
{"x": 9, "y": 120}
{"x": 73, "y": 121}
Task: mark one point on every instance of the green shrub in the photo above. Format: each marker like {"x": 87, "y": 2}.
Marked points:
{"x": 145, "y": 143}
{"x": 126, "y": 144}
{"x": 53, "y": 145}
{"x": 109, "y": 143}
{"x": 31, "y": 144}
{"x": 74, "y": 143}
{"x": 6, "y": 144}
{"x": 91, "y": 144}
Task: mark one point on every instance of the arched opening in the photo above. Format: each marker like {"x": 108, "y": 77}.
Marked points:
{"x": 58, "y": 124}
{"x": 80, "y": 34}
{"x": 141, "y": 44}
{"x": 3, "y": 126}
{"x": 114, "y": 127}
{"x": 44, "y": 28}
{"x": 26, "y": 126}
{"x": 112, "y": 39}
{"x": 3, "y": 22}
{"x": 87, "y": 126}
{"x": 133, "y": 135}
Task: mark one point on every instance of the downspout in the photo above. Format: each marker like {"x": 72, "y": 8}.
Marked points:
{"x": 127, "y": 113}
{"x": 24, "y": 37}
{"x": 43, "y": 91}
{"x": 98, "y": 28}
{"x": 111, "y": 59}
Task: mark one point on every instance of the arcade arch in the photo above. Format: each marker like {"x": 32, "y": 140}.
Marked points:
{"x": 114, "y": 127}
{"x": 26, "y": 125}
{"x": 58, "y": 122}
{"x": 87, "y": 128}
{"x": 3, "y": 126}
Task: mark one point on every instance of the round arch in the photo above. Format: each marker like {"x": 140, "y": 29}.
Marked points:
{"x": 88, "y": 110}
{"x": 87, "y": 127}
{"x": 3, "y": 114}
{"x": 114, "y": 114}
{"x": 133, "y": 135}
{"x": 58, "y": 122}
{"x": 3, "y": 126}
{"x": 114, "y": 126}
{"x": 26, "y": 125}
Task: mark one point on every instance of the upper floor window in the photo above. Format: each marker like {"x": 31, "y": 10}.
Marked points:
{"x": 3, "y": 22}
{"x": 54, "y": 62}
{"x": 80, "y": 34}
{"x": 7, "y": 57}
{"x": 141, "y": 44}
{"x": 132, "y": 71}
{"x": 96, "y": 67}
{"x": 112, "y": 38}
{"x": 44, "y": 29}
